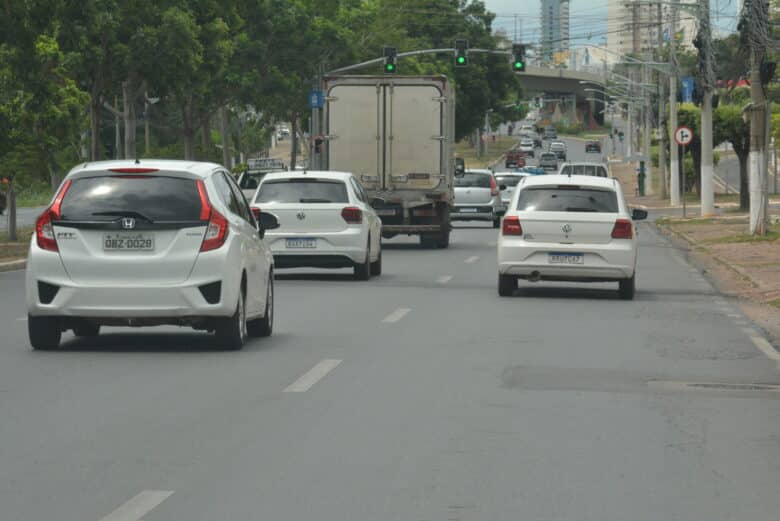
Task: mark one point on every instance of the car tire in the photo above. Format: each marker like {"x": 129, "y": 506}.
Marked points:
{"x": 86, "y": 330}
{"x": 376, "y": 266}
{"x": 507, "y": 284}
{"x": 362, "y": 271}
{"x": 428, "y": 241}
{"x": 44, "y": 332}
{"x": 627, "y": 288}
{"x": 264, "y": 327}
{"x": 496, "y": 222}
{"x": 231, "y": 331}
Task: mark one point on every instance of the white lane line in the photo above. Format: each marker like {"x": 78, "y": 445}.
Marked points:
{"x": 444, "y": 280}
{"x": 137, "y": 507}
{"x": 396, "y": 315}
{"x": 765, "y": 347}
{"x": 472, "y": 260}
{"x": 314, "y": 375}
{"x": 21, "y": 319}
{"x": 492, "y": 244}
{"x": 679, "y": 260}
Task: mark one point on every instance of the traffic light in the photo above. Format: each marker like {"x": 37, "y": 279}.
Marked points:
{"x": 390, "y": 58}
{"x": 518, "y": 57}
{"x": 461, "y": 53}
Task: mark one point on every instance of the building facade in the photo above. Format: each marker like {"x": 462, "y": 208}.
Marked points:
{"x": 555, "y": 32}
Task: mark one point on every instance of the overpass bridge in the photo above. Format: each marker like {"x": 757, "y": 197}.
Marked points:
{"x": 563, "y": 85}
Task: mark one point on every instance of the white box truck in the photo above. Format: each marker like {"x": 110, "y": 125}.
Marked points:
{"x": 397, "y": 136}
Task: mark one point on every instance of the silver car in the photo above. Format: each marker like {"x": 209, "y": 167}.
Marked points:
{"x": 507, "y": 181}
{"x": 477, "y": 198}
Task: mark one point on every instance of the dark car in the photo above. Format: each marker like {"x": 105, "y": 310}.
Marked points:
{"x": 592, "y": 147}
{"x": 514, "y": 159}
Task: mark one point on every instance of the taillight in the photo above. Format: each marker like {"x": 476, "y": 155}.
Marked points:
{"x": 256, "y": 212}
{"x": 511, "y": 226}
{"x": 217, "y": 229}
{"x": 352, "y": 215}
{"x": 624, "y": 229}
{"x": 493, "y": 186}
{"x": 44, "y": 229}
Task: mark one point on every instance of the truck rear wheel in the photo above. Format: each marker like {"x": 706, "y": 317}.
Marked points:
{"x": 443, "y": 240}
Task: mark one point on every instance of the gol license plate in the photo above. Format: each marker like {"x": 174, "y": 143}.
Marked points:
{"x": 301, "y": 243}
{"x": 128, "y": 242}
{"x": 468, "y": 210}
{"x": 566, "y": 258}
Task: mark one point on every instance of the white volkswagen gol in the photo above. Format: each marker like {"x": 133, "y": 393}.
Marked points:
{"x": 141, "y": 244}
{"x": 568, "y": 228}
{"x": 325, "y": 221}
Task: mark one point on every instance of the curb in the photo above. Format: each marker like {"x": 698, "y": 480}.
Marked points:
{"x": 14, "y": 265}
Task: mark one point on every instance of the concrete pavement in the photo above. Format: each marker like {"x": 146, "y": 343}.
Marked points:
{"x": 562, "y": 403}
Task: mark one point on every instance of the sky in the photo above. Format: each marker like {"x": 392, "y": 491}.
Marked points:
{"x": 588, "y": 19}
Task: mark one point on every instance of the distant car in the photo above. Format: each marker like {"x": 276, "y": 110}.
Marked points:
{"x": 548, "y": 160}
{"x": 527, "y": 147}
{"x": 592, "y": 147}
{"x": 550, "y": 133}
{"x": 507, "y": 181}
{"x": 257, "y": 169}
{"x": 576, "y": 229}
{"x": 527, "y": 129}
{"x": 149, "y": 244}
{"x": 559, "y": 149}
{"x": 537, "y": 141}
{"x": 582, "y": 168}
{"x": 325, "y": 221}
{"x": 477, "y": 198}
{"x": 514, "y": 159}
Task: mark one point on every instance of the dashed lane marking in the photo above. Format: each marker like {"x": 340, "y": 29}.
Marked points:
{"x": 444, "y": 279}
{"x": 396, "y": 315}
{"x": 314, "y": 375}
{"x": 765, "y": 347}
{"x": 472, "y": 260}
{"x": 21, "y": 319}
{"x": 140, "y": 505}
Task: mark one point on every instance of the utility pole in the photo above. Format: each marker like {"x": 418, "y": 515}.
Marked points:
{"x": 674, "y": 151}
{"x": 661, "y": 113}
{"x": 707, "y": 83}
{"x": 755, "y": 16}
{"x": 648, "y": 125}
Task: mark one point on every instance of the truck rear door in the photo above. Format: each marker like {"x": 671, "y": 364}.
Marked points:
{"x": 415, "y": 137}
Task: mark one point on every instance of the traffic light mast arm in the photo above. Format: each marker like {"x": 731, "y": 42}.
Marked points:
{"x": 414, "y": 53}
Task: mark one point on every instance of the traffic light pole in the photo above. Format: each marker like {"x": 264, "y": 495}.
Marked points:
{"x": 377, "y": 61}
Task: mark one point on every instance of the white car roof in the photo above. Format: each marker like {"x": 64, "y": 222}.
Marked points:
{"x": 297, "y": 174}
{"x": 585, "y": 163}
{"x": 195, "y": 168}
{"x": 478, "y": 171}
{"x": 576, "y": 180}
{"x": 510, "y": 172}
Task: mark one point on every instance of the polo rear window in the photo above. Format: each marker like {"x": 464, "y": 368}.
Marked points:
{"x": 567, "y": 198}
{"x": 157, "y": 198}
{"x": 302, "y": 190}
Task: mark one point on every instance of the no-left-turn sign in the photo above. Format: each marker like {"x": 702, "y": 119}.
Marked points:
{"x": 683, "y": 136}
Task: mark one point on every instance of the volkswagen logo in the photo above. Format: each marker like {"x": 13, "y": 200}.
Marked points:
{"x": 128, "y": 223}
{"x": 566, "y": 228}
{"x": 301, "y": 216}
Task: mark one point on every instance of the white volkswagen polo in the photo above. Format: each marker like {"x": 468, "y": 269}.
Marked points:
{"x": 149, "y": 243}
{"x": 325, "y": 221}
{"x": 568, "y": 228}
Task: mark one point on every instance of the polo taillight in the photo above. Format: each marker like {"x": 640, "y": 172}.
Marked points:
{"x": 511, "y": 226}
{"x": 352, "y": 215}
{"x": 623, "y": 229}
{"x": 217, "y": 228}
{"x": 44, "y": 227}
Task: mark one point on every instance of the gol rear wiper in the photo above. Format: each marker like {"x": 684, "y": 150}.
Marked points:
{"x": 578, "y": 209}
{"x": 124, "y": 213}
{"x": 314, "y": 200}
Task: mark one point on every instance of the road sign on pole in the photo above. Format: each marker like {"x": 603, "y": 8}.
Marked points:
{"x": 683, "y": 136}
{"x": 316, "y": 100}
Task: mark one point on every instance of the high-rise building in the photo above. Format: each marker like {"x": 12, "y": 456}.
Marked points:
{"x": 555, "y": 31}
{"x": 633, "y": 27}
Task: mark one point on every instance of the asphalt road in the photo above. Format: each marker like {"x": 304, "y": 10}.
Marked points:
{"x": 419, "y": 395}
{"x": 25, "y": 217}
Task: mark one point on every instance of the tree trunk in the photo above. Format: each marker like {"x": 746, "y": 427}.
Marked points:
{"x": 744, "y": 190}
{"x": 223, "y": 130}
{"x": 188, "y": 130}
{"x": 205, "y": 135}
{"x": 95, "y": 106}
{"x": 128, "y": 114}
{"x": 294, "y": 137}
{"x": 11, "y": 211}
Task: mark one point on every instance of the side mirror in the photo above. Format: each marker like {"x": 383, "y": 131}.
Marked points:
{"x": 638, "y": 215}
{"x": 268, "y": 221}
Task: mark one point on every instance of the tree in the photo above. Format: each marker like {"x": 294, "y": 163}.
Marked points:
{"x": 729, "y": 125}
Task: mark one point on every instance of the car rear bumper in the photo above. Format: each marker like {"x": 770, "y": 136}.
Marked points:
{"x": 608, "y": 262}
{"x": 349, "y": 245}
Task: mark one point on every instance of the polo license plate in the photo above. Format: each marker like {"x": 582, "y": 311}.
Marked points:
{"x": 301, "y": 243}
{"x": 566, "y": 258}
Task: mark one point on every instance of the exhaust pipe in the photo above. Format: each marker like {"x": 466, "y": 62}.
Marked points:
{"x": 535, "y": 276}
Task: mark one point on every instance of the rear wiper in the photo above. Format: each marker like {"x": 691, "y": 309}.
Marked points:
{"x": 314, "y": 200}
{"x": 576, "y": 209}
{"x": 124, "y": 213}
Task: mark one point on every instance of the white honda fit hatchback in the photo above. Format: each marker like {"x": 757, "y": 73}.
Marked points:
{"x": 149, "y": 243}
{"x": 568, "y": 228}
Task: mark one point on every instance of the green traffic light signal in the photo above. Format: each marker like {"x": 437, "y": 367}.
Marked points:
{"x": 519, "y": 65}
{"x": 461, "y": 60}
{"x": 390, "y": 67}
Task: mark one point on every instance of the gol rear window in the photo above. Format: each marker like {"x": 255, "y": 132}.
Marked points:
{"x": 157, "y": 198}
{"x": 309, "y": 190}
{"x": 508, "y": 180}
{"x": 473, "y": 180}
{"x": 567, "y": 199}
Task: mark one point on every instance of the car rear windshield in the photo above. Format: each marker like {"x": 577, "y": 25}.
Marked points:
{"x": 567, "y": 199}
{"x": 508, "y": 180}
{"x": 308, "y": 190}
{"x": 473, "y": 180}
{"x": 153, "y": 198}
{"x": 548, "y": 156}
{"x": 592, "y": 170}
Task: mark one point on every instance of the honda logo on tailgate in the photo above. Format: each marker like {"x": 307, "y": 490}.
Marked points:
{"x": 128, "y": 223}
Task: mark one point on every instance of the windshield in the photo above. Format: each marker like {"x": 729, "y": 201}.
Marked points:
{"x": 153, "y": 198}
{"x": 591, "y": 170}
{"x": 508, "y": 180}
{"x": 548, "y": 157}
{"x": 474, "y": 180}
{"x": 567, "y": 199}
{"x": 301, "y": 190}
